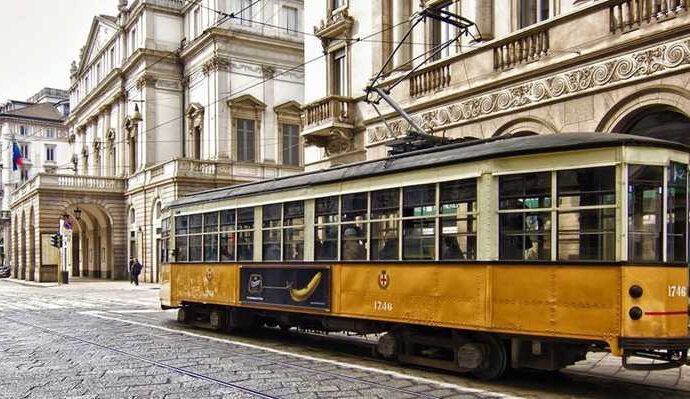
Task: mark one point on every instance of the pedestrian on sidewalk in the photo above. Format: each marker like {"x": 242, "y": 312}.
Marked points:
{"x": 136, "y": 270}
{"x": 130, "y": 267}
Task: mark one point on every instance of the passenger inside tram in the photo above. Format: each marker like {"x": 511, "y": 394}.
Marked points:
{"x": 450, "y": 249}
{"x": 353, "y": 247}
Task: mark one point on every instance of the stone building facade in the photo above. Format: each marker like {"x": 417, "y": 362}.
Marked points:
{"x": 529, "y": 67}
{"x": 37, "y": 127}
{"x": 168, "y": 97}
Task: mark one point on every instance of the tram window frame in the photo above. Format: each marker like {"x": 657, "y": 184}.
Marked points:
{"x": 586, "y": 214}
{"x": 645, "y": 176}
{"x": 165, "y": 240}
{"x": 182, "y": 238}
{"x": 227, "y": 225}
{"x": 271, "y": 232}
{"x": 211, "y": 234}
{"x": 293, "y": 231}
{"x": 326, "y": 228}
{"x": 244, "y": 239}
{"x": 517, "y": 194}
{"x": 677, "y": 212}
{"x": 385, "y": 219}
{"x": 195, "y": 244}
{"x": 457, "y": 220}
{"x": 354, "y": 226}
{"x": 419, "y": 215}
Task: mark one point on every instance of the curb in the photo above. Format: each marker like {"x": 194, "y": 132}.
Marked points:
{"x": 30, "y": 283}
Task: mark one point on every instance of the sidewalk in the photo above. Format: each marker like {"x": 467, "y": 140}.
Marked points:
{"x": 85, "y": 282}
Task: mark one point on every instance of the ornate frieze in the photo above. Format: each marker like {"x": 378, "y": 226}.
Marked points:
{"x": 629, "y": 67}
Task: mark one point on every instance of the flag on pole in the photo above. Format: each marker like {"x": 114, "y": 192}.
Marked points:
{"x": 17, "y": 159}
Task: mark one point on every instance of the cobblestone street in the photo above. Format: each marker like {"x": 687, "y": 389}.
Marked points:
{"x": 109, "y": 339}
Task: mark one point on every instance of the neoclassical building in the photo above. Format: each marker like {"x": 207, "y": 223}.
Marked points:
{"x": 168, "y": 97}
{"x": 528, "y": 67}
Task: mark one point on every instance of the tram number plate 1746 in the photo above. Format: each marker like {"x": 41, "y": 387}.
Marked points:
{"x": 383, "y": 306}
{"x": 677, "y": 290}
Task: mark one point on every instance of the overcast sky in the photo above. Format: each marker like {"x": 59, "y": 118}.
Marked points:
{"x": 40, "y": 38}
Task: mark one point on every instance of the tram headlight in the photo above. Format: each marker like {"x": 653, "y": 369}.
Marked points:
{"x": 635, "y": 313}
{"x": 635, "y": 291}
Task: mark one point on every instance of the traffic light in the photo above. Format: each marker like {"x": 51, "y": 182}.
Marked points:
{"x": 56, "y": 240}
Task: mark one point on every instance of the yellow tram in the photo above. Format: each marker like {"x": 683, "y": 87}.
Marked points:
{"x": 474, "y": 257}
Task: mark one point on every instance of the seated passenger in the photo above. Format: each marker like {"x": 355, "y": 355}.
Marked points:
{"x": 450, "y": 249}
{"x": 390, "y": 247}
{"x": 353, "y": 248}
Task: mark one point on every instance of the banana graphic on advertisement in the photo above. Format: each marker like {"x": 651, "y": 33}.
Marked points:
{"x": 302, "y": 294}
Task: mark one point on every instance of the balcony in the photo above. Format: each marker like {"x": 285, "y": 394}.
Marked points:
{"x": 212, "y": 171}
{"x": 628, "y": 15}
{"x": 85, "y": 184}
{"x": 329, "y": 123}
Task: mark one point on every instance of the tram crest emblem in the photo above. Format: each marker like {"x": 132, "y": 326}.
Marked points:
{"x": 384, "y": 280}
{"x": 209, "y": 274}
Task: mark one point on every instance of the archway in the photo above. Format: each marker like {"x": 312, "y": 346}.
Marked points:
{"x": 526, "y": 126}
{"x": 658, "y": 121}
{"x": 90, "y": 241}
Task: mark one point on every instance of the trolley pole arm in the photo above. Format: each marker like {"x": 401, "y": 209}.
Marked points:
{"x": 393, "y": 104}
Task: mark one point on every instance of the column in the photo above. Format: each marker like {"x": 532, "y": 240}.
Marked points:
{"x": 401, "y": 12}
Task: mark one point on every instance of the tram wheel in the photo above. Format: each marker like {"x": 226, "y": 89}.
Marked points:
{"x": 496, "y": 361}
{"x": 185, "y": 315}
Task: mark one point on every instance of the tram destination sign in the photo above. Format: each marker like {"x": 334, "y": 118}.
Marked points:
{"x": 286, "y": 286}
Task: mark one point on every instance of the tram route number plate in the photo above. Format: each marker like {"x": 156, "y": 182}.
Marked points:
{"x": 677, "y": 290}
{"x": 290, "y": 286}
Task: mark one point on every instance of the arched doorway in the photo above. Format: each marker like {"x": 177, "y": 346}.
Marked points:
{"x": 90, "y": 246}
{"x": 657, "y": 121}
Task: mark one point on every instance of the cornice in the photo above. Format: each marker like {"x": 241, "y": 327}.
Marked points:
{"x": 112, "y": 77}
{"x": 212, "y": 34}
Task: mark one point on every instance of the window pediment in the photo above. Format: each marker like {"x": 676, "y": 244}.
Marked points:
{"x": 246, "y": 101}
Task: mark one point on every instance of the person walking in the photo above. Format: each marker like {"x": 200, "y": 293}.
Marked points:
{"x": 136, "y": 270}
{"x": 130, "y": 268}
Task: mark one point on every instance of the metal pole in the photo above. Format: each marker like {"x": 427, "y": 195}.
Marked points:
{"x": 397, "y": 109}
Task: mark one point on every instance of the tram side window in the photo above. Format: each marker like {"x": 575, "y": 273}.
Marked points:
{"x": 272, "y": 229}
{"x": 165, "y": 240}
{"x": 195, "y": 237}
{"x": 211, "y": 237}
{"x": 354, "y": 227}
{"x": 677, "y": 212}
{"x": 181, "y": 231}
{"x": 293, "y": 231}
{"x": 458, "y": 202}
{"x": 524, "y": 220}
{"x": 385, "y": 216}
{"x": 645, "y": 194}
{"x": 587, "y": 233}
{"x": 245, "y": 234}
{"x": 326, "y": 228}
{"x": 228, "y": 234}
{"x": 419, "y": 222}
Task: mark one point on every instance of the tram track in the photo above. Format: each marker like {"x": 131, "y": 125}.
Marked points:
{"x": 240, "y": 388}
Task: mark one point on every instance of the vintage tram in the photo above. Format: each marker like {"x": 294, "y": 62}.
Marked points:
{"x": 474, "y": 257}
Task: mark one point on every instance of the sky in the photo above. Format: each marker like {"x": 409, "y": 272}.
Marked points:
{"x": 40, "y": 38}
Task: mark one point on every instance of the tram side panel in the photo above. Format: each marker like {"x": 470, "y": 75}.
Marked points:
{"x": 203, "y": 283}
{"x": 660, "y": 294}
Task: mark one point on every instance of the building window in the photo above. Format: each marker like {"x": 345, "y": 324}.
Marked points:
{"x": 24, "y": 174}
{"x": 133, "y": 40}
{"x": 23, "y": 130}
{"x": 525, "y": 218}
{"x": 197, "y": 21}
{"x": 290, "y": 20}
{"x": 532, "y": 11}
{"x": 132, "y": 216}
{"x": 335, "y": 4}
{"x": 645, "y": 206}
{"x": 98, "y": 72}
{"x": 25, "y": 151}
{"x": 86, "y": 84}
{"x": 291, "y": 147}
{"x": 50, "y": 153}
{"x": 50, "y": 133}
{"x": 440, "y": 34}
{"x": 112, "y": 58}
{"x": 246, "y": 139}
{"x": 339, "y": 72}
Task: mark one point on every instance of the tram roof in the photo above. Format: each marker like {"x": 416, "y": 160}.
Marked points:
{"x": 449, "y": 154}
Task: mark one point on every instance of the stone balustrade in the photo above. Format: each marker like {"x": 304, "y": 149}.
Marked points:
{"x": 529, "y": 46}
{"x": 329, "y": 109}
{"x": 431, "y": 79}
{"x": 627, "y": 15}
{"x": 69, "y": 183}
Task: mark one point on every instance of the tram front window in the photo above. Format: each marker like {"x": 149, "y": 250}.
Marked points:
{"x": 645, "y": 218}
{"x": 525, "y": 223}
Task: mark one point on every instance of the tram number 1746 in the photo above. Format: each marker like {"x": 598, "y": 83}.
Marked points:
{"x": 677, "y": 290}
{"x": 383, "y": 306}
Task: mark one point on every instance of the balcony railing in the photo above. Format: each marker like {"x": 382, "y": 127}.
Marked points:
{"x": 337, "y": 109}
{"x": 627, "y": 15}
{"x": 530, "y": 46}
{"x": 70, "y": 183}
{"x": 430, "y": 80}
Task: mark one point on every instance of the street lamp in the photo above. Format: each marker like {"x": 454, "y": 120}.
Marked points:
{"x": 77, "y": 213}
{"x": 136, "y": 116}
